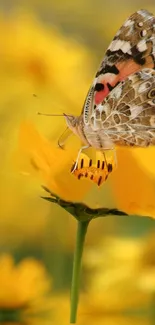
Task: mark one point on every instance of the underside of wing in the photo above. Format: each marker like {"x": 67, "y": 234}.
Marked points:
{"x": 127, "y": 115}
{"x": 132, "y": 49}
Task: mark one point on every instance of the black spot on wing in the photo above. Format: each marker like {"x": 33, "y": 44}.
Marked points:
{"x": 108, "y": 69}
{"x": 99, "y": 87}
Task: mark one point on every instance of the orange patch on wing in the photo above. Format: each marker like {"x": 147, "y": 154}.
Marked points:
{"x": 100, "y": 95}
{"x": 126, "y": 68}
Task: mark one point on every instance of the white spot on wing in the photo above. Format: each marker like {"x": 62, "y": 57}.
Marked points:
{"x": 118, "y": 44}
{"x": 129, "y": 52}
{"x": 141, "y": 46}
{"x": 100, "y": 107}
{"x": 115, "y": 45}
{"x": 126, "y": 47}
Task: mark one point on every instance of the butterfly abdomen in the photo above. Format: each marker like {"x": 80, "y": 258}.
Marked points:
{"x": 97, "y": 139}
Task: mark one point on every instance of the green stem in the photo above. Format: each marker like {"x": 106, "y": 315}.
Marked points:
{"x": 80, "y": 239}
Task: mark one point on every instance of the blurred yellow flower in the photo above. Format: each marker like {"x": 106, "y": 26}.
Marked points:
{"x": 113, "y": 275}
{"x": 146, "y": 281}
{"x": 25, "y": 289}
{"x": 52, "y": 163}
{"x": 92, "y": 310}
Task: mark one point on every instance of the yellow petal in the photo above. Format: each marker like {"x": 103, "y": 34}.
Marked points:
{"x": 132, "y": 187}
{"x": 51, "y": 163}
{"x": 145, "y": 159}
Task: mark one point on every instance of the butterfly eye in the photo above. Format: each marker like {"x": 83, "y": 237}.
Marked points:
{"x": 151, "y": 93}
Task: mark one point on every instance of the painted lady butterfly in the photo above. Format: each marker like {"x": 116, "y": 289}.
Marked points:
{"x": 120, "y": 105}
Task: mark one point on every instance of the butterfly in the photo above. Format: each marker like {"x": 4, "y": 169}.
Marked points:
{"x": 120, "y": 105}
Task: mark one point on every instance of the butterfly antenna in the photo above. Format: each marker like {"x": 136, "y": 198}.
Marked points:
{"x": 46, "y": 114}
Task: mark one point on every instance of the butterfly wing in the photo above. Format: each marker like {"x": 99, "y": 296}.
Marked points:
{"x": 132, "y": 49}
{"x": 127, "y": 114}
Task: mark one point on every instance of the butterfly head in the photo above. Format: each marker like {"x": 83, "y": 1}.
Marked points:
{"x": 72, "y": 122}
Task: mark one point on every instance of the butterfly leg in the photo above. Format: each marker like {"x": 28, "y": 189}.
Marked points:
{"x": 64, "y": 136}
{"x": 78, "y": 156}
{"x": 114, "y": 156}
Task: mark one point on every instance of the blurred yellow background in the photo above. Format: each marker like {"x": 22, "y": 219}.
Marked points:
{"x": 49, "y": 53}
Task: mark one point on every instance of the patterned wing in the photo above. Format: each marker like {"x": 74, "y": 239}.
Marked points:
{"x": 132, "y": 49}
{"x": 127, "y": 114}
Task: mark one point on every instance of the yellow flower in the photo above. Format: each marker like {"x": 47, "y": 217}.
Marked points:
{"x": 133, "y": 184}
{"x": 52, "y": 163}
{"x": 130, "y": 186}
{"x": 25, "y": 289}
